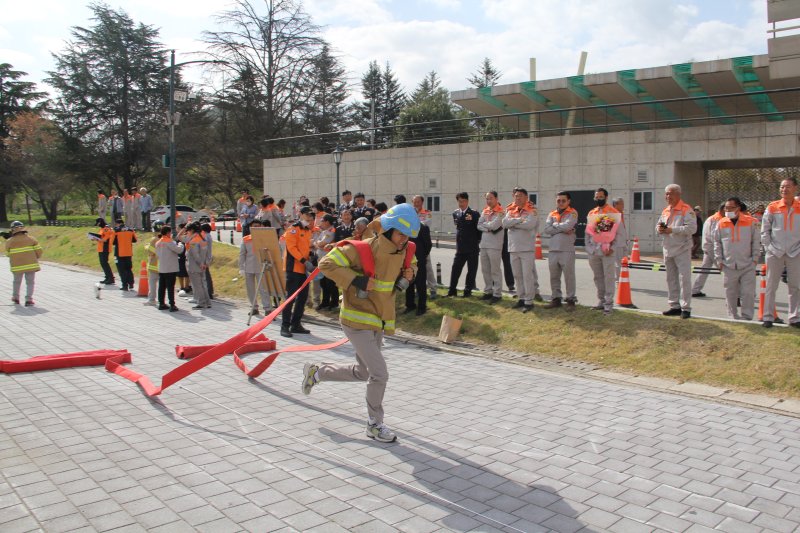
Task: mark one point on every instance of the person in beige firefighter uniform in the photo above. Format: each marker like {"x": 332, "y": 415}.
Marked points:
{"x": 198, "y": 258}
{"x": 490, "y": 224}
{"x": 676, "y": 225}
{"x": 368, "y": 310}
{"x": 23, "y": 252}
{"x": 522, "y": 222}
{"x": 560, "y": 227}
{"x": 780, "y": 235}
{"x": 707, "y": 244}
{"x": 737, "y": 244}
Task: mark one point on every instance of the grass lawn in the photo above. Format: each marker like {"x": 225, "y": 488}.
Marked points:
{"x": 742, "y": 357}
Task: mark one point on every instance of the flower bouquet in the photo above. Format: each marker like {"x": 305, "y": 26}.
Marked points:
{"x": 603, "y": 228}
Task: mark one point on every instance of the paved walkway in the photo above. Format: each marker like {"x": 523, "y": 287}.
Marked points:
{"x": 483, "y": 445}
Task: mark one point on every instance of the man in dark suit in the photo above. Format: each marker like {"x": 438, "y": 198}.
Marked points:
{"x": 417, "y": 292}
{"x": 467, "y": 239}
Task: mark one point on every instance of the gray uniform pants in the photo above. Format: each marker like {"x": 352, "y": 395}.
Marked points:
{"x": 30, "y": 282}
{"x": 431, "y": 281}
{"x": 740, "y": 283}
{"x": 700, "y": 281}
{"x": 199, "y": 290}
{"x": 152, "y": 286}
{"x": 370, "y": 366}
{"x": 562, "y": 262}
{"x": 523, "y": 264}
{"x": 492, "y": 268}
{"x": 775, "y": 266}
{"x": 250, "y": 281}
{"x": 603, "y": 267}
{"x": 679, "y": 281}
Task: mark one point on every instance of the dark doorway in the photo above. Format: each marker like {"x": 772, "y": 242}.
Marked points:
{"x": 582, "y": 202}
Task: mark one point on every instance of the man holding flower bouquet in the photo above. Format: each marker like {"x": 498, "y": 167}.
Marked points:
{"x": 601, "y": 242}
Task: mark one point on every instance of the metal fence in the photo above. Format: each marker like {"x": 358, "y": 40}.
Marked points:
{"x": 737, "y": 108}
{"x": 754, "y": 186}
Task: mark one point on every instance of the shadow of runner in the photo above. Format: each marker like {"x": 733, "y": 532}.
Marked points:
{"x": 474, "y": 494}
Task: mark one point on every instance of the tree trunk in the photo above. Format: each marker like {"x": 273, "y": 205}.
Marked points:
{"x": 3, "y": 212}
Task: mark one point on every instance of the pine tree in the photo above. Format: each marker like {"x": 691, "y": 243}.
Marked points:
{"x": 486, "y": 76}
{"x": 430, "y": 102}
{"x": 326, "y": 110}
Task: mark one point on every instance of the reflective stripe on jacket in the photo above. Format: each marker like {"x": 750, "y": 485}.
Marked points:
{"x": 23, "y": 252}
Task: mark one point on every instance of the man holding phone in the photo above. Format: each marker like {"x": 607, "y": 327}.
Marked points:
{"x": 676, "y": 225}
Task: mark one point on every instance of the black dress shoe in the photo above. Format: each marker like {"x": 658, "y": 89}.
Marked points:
{"x": 698, "y": 294}
{"x": 538, "y": 298}
{"x": 519, "y": 303}
{"x": 467, "y": 294}
{"x": 285, "y": 332}
{"x": 487, "y": 296}
{"x": 409, "y": 309}
{"x": 298, "y": 328}
{"x": 672, "y": 312}
{"x": 527, "y": 308}
{"x": 173, "y": 308}
{"x": 421, "y": 311}
{"x": 163, "y": 307}
{"x": 766, "y": 324}
{"x": 686, "y": 314}
{"x": 779, "y": 321}
{"x": 494, "y": 300}
{"x": 450, "y": 294}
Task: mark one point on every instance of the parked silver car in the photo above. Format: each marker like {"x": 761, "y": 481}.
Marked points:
{"x": 183, "y": 213}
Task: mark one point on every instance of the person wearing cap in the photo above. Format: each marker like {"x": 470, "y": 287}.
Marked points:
{"x": 124, "y": 237}
{"x": 23, "y": 253}
{"x": 104, "y": 249}
{"x": 145, "y": 206}
{"x": 368, "y": 310}
{"x": 298, "y": 264}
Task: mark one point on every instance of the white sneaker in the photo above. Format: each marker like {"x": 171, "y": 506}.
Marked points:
{"x": 380, "y": 432}
{"x": 182, "y": 292}
{"x": 191, "y": 300}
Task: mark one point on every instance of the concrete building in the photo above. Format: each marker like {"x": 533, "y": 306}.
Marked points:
{"x": 632, "y": 132}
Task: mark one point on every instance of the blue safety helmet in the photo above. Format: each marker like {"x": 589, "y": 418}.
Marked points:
{"x": 403, "y": 218}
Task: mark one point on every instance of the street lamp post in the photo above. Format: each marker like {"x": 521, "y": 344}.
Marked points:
{"x": 337, "y": 158}
{"x": 172, "y": 121}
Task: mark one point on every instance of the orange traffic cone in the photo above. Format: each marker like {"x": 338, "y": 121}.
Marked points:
{"x": 538, "y": 246}
{"x": 213, "y": 224}
{"x": 144, "y": 284}
{"x": 635, "y": 257}
{"x": 624, "y": 287}
{"x": 762, "y": 295}
{"x": 239, "y": 226}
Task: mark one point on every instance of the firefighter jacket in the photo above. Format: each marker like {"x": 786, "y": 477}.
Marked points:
{"x": 168, "y": 252}
{"x": 23, "y": 252}
{"x": 490, "y": 224}
{"x": 557, "y": 227}
{"x": 737, "y": 245}
{"x": 298, "y": 247}
{"x": 522, "y": 224}
{"x": 683, "y": 222}
{"x": 780, "y": 229}
{"x": 106, "y": 238}
{"x": 124, "y": 237}
{"x": 709, "y": 227}
{"x": 343, "y": 265}
{"x": 152, "y": 256}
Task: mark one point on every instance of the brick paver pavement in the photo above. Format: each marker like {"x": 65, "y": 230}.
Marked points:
{"x": 483, "y": 445}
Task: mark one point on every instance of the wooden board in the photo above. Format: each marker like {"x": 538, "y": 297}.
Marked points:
{"x": 265, "y": 243}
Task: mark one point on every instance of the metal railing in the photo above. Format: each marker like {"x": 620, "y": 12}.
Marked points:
{"x": 736, "y": 108}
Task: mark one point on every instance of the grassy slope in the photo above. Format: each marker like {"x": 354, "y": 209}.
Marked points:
{"x": 743, "y": 357}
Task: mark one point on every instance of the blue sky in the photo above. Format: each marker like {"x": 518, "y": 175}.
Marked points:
{"x": 449, "y": 36}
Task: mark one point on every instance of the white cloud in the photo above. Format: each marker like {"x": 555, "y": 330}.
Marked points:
{"x": 333, "y": 12}
{"x": 444, "y": 4}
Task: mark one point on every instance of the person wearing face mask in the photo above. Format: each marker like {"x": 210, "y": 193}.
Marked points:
{"x": 736, "y": 248}
{"x": 297, "y": 264}
{"x": 247, "y": 214}
{"x": 601, "y": 261}
{"x": 709, "y": 226}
